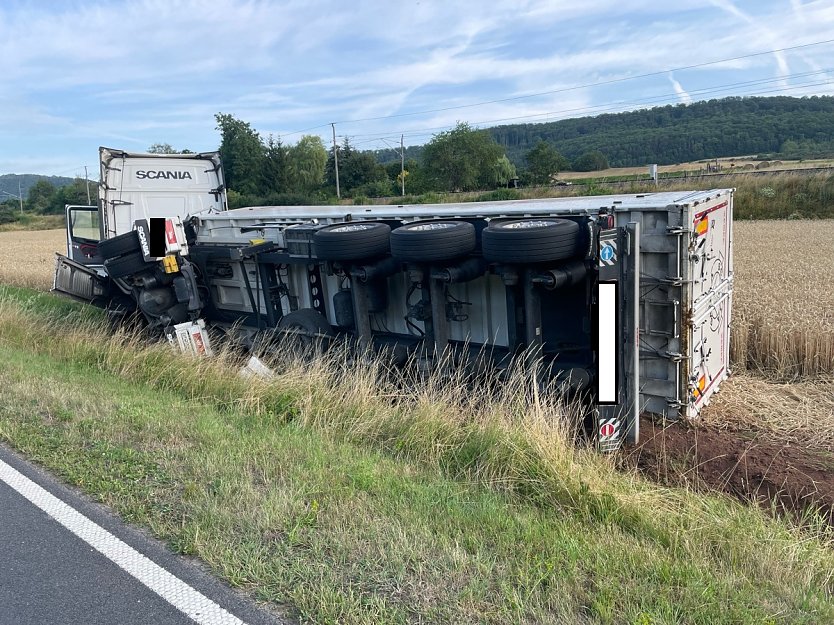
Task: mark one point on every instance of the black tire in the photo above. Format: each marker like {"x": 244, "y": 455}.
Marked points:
{"x": 431, "y": 241}
{"x": 120, "y": 245}
{"x": 351, "y": 241}
{"x": 306, "y": 332}
{"x": 127, "y": 265}
{"x": 532, "y": 240}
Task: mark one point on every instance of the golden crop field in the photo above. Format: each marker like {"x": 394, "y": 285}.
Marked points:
{"x": 783, "y": 320}
{"x": 27, "y": 257}
{"x": 783, "y": 313}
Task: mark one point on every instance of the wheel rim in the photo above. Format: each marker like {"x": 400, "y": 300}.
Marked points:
{"x": 523, "y": 225}
{"x": 429, "y": 227}
{"x": 353, "y": 228}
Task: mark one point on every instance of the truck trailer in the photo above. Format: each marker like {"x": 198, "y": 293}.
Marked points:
{"x": 624, "y": 299}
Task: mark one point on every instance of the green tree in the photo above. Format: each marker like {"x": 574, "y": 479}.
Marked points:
{"x": 462, "y": 159}
{"x": 161, "y": 148}
{"x": 591, "y": 161}
{"x": 274, "y": 174}
{"x": 40, "y": 196}
{"x": 504, "y": 171}
{"x": 306, "y": 161}
{"x": 543, "y": 162}
{"x": 356, "y": 169}
{"x": 73, "y": 193}
{"x": 242, "y": 153}
{"x": 165, "y": 148}
{"x": 393, "y": 170}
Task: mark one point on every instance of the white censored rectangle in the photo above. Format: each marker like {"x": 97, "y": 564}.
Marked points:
{"x": 607, "y": 343}
{"x": 186, "y": 599}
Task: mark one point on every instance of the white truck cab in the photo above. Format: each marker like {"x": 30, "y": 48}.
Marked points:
{"x": 153, "y": 194}
{"x": 137, "y": 186}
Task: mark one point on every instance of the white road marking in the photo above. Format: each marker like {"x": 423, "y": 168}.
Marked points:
{"x": 192, "y": 603}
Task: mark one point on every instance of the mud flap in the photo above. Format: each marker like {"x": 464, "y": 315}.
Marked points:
{"x": 617, "y": 338}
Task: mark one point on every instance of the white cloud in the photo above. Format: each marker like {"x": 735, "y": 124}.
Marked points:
{"x": 679, "y": 90}
{"x": 156, "y": 70}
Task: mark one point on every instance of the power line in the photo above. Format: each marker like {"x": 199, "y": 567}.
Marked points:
{"x": 577, "y": 87}
{"x": 75, "y": 170}
{"x": 297, "y": 132}
{"x": 584, "y": 86}
{"x": 599, "y": 108}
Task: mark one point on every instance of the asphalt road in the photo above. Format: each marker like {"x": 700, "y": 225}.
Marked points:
{"x": 49, "y": 575}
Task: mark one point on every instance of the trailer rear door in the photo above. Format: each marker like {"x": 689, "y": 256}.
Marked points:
{"x": 709, "y": 248}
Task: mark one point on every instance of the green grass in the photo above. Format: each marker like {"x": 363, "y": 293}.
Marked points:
{"x": 360, "y": 507}
{"x": 27, "y": 221}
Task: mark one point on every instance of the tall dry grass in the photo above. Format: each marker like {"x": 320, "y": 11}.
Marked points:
{"x": 510, "y": 437}
{"x": 798, "y": 412}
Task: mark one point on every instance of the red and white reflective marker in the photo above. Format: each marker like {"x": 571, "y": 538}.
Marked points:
{"x": 607, "y": 430}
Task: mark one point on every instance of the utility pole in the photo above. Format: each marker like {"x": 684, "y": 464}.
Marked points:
{"x": 88, "y": 184}
{"x": 336, "y": 160}
{"x": 402, "y": 163}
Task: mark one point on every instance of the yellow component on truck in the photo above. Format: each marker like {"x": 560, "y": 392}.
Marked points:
{"x": 170, "y": 264}
{"x": 257, "y": 241}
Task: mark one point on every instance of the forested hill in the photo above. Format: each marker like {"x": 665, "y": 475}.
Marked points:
{"x": 10, "y": 183}
{"x": 800, "y": 127}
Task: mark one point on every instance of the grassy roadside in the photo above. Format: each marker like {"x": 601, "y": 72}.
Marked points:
{"x": 34, "y": 222}
{"x": 351, "y": 506}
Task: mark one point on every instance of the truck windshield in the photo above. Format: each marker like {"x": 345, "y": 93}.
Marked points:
{"x": 84, "y": 224}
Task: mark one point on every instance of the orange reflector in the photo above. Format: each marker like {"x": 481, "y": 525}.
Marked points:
{"x": 698, "y": 391}
{"x": 702, "y": 226}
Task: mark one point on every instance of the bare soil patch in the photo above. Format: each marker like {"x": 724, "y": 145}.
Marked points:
{"x": 791, "y": 476}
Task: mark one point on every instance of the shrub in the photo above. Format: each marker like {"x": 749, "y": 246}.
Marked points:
{"x": 499, "y": 195}
{"x": 377, "y": 188}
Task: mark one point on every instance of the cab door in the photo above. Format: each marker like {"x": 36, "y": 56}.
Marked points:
{"x": 83, "y": 234}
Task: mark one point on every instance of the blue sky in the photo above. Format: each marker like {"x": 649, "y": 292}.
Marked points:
{"x": 79, "y": 74}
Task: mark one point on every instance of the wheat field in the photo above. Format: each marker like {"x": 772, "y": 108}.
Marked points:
{"x": 27, "y": 257}
{"x": 783, "y": 317}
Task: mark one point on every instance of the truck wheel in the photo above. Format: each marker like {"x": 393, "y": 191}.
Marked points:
{"x": 126, "y": 265}
{"x": 532, "y": 240}
{"x": 305, "y": 331}
{"x": 351, "y": 241}
{"x": 428, "y": 241}
{"x": 120, "y": 245}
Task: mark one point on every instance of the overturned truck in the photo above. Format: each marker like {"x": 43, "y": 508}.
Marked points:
{"x": 624, "y": 298}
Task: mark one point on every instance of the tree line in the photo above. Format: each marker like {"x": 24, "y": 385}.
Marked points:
{"x": 262, "y": 170}
{"x": 46, "y": 198}
{"x": 782, "y": 126}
